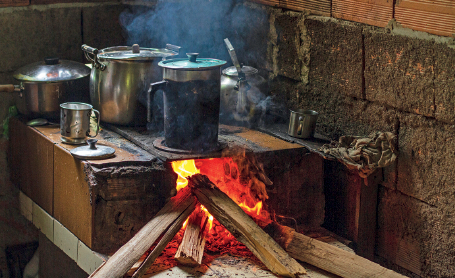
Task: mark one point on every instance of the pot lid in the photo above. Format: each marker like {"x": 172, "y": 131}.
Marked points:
{"x": 136, "y": 53}
{"x": 52, "y": 69}
{"x": 92, "y": 151}
{"x": 232, "y": 71}
{"x": 192, "y": 63}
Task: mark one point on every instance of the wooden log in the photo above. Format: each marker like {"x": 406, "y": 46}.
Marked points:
{"x": 178, "y": 208}
{"x": 168, "y": 236}
{"x": 191, "y": 249}
{"x": 326, "y": 256}
{"x": 243, "y": 228}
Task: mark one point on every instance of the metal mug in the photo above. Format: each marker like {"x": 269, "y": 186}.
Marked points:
{"x": 75, "y": 122}
{"x": 302, "y": 123}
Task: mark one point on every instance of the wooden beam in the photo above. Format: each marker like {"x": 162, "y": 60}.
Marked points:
{"x": 173, "y": 213}
{"x": 243, "y": 228}
{"x": 326, "y": 256}
{"x": 191, "y": 249}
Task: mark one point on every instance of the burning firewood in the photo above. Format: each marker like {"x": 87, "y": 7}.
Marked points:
{"x": 243, "y": 228}
{"x": 169, "y": 218}
{"x": 325, "y": 256}
{"x": 191, "y": 249}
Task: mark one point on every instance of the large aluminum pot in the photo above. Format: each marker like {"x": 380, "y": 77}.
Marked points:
{"x": 120, "y": 78}
{"x": 46, "y": 84}
{"x": 191, "y": 93}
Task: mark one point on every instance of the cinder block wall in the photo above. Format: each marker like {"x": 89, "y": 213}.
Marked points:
{"x": 362, "y": 79}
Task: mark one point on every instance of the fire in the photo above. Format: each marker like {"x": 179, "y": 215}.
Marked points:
{"x": 224, "y": 173}
{"x": 184, "y": 169}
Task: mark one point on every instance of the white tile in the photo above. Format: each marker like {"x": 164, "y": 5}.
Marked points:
{"x": 26, "y": 206}
{"x": 87, "y": 260}
{"x": 65, "y": 240}
{"x": 43, "y": 221}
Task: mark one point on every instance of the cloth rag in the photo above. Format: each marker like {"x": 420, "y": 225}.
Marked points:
{"x": 364, "y": 154}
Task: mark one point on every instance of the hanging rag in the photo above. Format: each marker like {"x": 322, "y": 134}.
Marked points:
{"x": 362, "y": 154}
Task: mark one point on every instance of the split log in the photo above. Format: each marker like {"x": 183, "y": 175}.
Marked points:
{"x": 159, "y": 248}
{"x": 243, "y": 228}
{"x": 326, "y": 256}
{"x": 191, "y": 249}
{"x": 173, "y": 213}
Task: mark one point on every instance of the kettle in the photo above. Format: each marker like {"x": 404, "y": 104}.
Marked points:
{"x": 240, "y": 91}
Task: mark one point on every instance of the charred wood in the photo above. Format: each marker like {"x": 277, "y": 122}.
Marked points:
{"x": 243, "y": 228}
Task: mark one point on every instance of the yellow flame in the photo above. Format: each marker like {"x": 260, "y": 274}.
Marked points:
{"x": 257, "y": 208}
{"x": 184, "y": 169}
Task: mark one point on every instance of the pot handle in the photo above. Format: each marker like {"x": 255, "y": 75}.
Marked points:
{"x": 97, "y": 125}
{"x": 10, "y": 88}
{"x": 93, "y": 51}
{"x": 151, "y": 92}
{"x": 300, "y": 128}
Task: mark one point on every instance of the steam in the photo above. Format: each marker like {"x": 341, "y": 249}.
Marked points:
{"x": 196, "y": 25}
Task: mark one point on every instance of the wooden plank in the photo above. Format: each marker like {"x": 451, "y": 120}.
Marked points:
{"x": 72, "y": 203}
{"x": 243, "y": 228}
{"x": 176, "y": 210}
{"x": 16, "y": 151}
{"x": 377, "y": 13}
{"x": 14, "y": 3}
{"x": 325, "y": 256}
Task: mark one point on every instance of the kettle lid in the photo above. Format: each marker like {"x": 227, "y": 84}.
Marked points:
{"x": 247, "y": 70}
{"x": 93, "y": 151}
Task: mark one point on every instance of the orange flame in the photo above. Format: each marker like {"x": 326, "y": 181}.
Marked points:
{"x": 184, "y": 169}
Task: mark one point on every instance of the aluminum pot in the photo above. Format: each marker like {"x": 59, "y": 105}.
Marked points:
{"x": 120, "y": 78}
{"x": 191, "y": 94}
{"x": 46, "y": 84}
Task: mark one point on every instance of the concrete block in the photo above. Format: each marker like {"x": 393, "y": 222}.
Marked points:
{"x": 43, "y": 221}
{"x": 288, "y": 27}
{"x": 426, "y": 160}
{"x": 399, "y": 72}
{"x": 65, "y": 240}
{"x": 88, "y": 260}
{"x": 26, "y": 206}
{"x": 335, "y": 55}
{"x": 416, "y": 235}
{"x": 31, "y": 33}
{"x": 101, "y": 26}
{"x": 444, "y": 83}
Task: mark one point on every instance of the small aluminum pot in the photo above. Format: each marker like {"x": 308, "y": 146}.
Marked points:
{"x": 45, "y": 85}
{"x": 302, "y": 123}
{"x": 75, "y": 122}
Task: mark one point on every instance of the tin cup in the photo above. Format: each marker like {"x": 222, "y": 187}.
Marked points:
{"x": 302, "y": 123}
{"x": 75, "y": 122}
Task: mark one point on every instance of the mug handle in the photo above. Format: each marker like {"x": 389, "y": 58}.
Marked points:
{"x": 300, "y": 128}
{"x": 97, "y": 125}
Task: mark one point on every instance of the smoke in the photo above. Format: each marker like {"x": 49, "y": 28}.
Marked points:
{"x": 196, "y": 25}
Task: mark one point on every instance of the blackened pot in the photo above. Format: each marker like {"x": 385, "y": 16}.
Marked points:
{"x": 191, "y": 96}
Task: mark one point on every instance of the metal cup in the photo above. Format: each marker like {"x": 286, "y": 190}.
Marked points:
{"x": 302, "y": 123}
{"x": 75, "y": 122}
